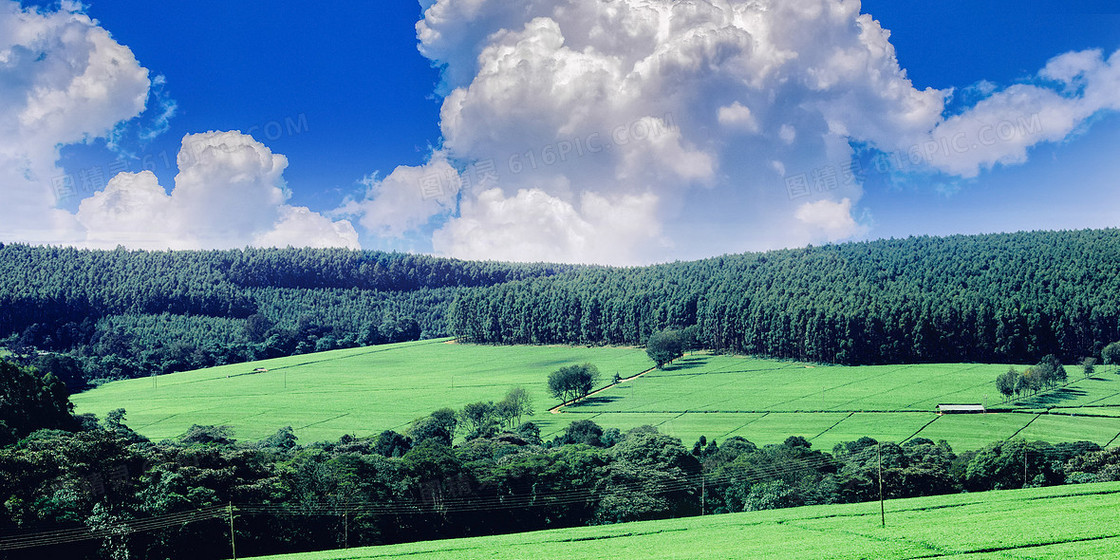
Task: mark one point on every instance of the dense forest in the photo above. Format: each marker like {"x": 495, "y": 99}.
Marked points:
{"x": 81, "y": 487}
{"x": 102, "y": 315}
{"x": 988, "y": 298}
{"x": 95, "y": 315}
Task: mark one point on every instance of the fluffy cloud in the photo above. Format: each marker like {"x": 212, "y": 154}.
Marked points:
{"x": 407, "y": 199}
{"x": 1001, "y": 128}
{"x": 825, "y": 220}
{"x": 63, "y": 79}
{"x": 229, "y": 193}
{"x": 535, "y": 226}
{"x": 613, "y": 123}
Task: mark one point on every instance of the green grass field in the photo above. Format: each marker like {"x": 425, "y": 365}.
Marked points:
{"x": 359, "y": 391}
{"x": 1062, "y": 522}
{"x": 363, "y": 391}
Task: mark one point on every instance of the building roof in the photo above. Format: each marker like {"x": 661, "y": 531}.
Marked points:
{"x": 960, "y": 407}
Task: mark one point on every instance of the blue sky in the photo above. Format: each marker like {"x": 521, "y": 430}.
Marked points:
{"x": 338, "y": 107}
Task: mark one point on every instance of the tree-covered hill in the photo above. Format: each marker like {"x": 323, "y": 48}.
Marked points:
{"x": 986, "y": 298}
{"x": 126, "y": 313}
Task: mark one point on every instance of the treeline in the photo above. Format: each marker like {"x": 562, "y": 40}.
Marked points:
{"x": 170, "y": 499}
{"x": 118, "y": 314}
{"x": 986, "y": 298}
{"x": 989, "y": 298}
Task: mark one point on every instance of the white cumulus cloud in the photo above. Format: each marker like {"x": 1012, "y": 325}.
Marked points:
{"x": 407, "y": 199}
{"x": 229, "y": 193}
{"x": 63, "y": 80}
{"x": 535, "y": 226}
{"x": 598, "y": 116}
{"x": 825, "y": 220}
{"x": 1001, "y": 128}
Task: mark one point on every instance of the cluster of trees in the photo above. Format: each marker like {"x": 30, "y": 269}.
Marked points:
{"x": 487, "y": 418}
{"x": 990, "y": 298}
{"x": 1047, "y": 373}
{"x": 120, "y": 314}
{"x": 398, "y": 487}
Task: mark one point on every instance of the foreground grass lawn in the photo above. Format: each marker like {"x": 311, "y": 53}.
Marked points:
{"x": 1044, "y": 523}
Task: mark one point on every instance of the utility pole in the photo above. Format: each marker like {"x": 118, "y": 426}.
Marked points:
{"x": 1024, "y": 466}
{"x": 346, "y": 529}
{"x": 882, "y": 506}
{"x": 232, "y": 539}
{"x": 703, "y": 492}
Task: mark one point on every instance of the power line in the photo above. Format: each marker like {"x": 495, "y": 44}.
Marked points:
{"x": 436, "y": 505}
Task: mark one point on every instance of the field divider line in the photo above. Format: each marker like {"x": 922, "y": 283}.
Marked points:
{"x": 355, "y": 355}
{"x": 681, "y": 415}
{"x": 1113, "y": 440}
{"x": 990, "y": 550}
{"x": 1090, "y": 403}
{"x": 828, "y": 429}
{"x": 752, "y": 421}
{"x": 915, "y": 434}
{"x": 824, "y": 391}
{"x": 323, "y": 421}
{"x": 1036, "y": 417}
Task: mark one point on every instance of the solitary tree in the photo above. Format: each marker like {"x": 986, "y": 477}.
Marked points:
{"x": 664, "y": 347}
{"x": 1111, "y": 354}
{"x": 516, "y": 404}
{"x": 573, "y": 382}
{"x": 1088, "y": 366}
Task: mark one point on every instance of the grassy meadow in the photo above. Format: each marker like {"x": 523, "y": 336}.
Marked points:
{"x": 1063, "y": 522}
{"x": 363, "y": 391}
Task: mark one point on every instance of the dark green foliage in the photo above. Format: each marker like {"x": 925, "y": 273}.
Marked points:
{"x": 664, "y": 347}
{"x": 289, "y": 496}
{"x": 573, "y": 382}
{"x": 440, "y": 425}
{"x": 794, "y": 463}
{"x": 919, "y": 467}
{"x": 392, "y": 444}
{"x": 990, "y": 298}
{"x": 1111, "y": 354}
{"x": 123, "y": 314}
{"x": 208, "y": 435}
{"x": 651, "y": 476}
{"x": 1007, "y": 298}
{"x": 585, "y": 432}
{"x": 29, "y": 402}
{"x": 1095, "y": 466}
{"x": 516, "y": 404}
{"x": 1019, "y": 464}
{"x": 1088, "y": 366}
{"x": 1007, "y": 383}
{"x": 479, "y": 420}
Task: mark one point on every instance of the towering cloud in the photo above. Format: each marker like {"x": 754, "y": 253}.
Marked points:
{"x": 608, "y": 127}
{"x": 633, "y": 131}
